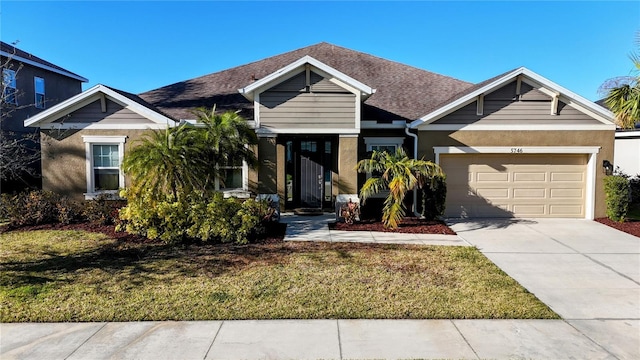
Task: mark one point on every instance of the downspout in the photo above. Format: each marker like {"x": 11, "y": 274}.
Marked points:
{"x": 415, "y": 156}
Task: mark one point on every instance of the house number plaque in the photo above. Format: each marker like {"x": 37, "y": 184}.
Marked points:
{"x": 517, "y": 150}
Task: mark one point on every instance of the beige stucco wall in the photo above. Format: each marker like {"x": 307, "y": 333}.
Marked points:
{"x": 64, "y": 159}
{"x": 347, "y": 161}
{"x": 602, "y": 138}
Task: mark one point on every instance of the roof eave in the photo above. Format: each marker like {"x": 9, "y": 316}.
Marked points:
{"x": 43, "y": 66}
{"x": 61, "y": 109}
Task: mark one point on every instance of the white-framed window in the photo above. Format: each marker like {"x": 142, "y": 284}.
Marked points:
{"x": 389, "y": 144}
{"x": 38, "y": 85}
{"x": 103, "y": 159}
{"x": 9, "y": 86}
{"x": 234, "y": 181}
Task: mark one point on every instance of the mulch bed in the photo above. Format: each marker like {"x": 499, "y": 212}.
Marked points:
{"x": 410, "y": 225}
{"x": 630, "y": 227}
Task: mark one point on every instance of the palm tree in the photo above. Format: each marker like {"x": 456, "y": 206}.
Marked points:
{"x": 226, "y": 139}
{"x": 166, "y": 163}
{"x": 173, "y": 162}
{"x": 623, "y": 95}
{"x": 398, "y": 174}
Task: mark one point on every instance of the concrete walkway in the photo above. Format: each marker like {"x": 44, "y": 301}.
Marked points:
{"x": 586, "y": 272}
{"x": 315, "y": 228}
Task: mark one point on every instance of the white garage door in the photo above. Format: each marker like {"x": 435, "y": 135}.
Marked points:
{"x": 515, "y": 185}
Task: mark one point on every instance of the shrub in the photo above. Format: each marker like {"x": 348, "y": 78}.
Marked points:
{"x": 103, "y": 209}
{"x": 69, "y": 211}
{"x": 196, "y": 216}
{"x": 45, "y": 207}
{"x": 618, "y": 193}
{"x": 634, "y": 184}
{"x": 30, "y": 208}
{"x": 434, "y": 195}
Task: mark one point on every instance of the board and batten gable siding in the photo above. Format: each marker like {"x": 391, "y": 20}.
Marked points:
{"x": 291, "y": 105}
{"x": 504, "y": 107}
{"x": 115, "y": 114}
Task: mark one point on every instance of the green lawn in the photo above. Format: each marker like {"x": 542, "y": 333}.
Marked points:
{"x": 80, "y": 276}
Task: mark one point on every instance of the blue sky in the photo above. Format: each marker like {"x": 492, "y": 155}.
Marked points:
{"x": 142, "y": 45}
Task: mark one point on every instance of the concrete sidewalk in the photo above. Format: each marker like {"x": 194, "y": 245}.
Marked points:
{"x": 303, "y": 339}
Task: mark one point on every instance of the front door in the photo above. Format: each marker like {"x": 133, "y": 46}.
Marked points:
{"x": 309, "y": 164}
{"x": 311, "y": 182}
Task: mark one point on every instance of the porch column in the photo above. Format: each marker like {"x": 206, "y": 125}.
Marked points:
{"x": 347, "y": 161}
{"x": 267, "y": 170}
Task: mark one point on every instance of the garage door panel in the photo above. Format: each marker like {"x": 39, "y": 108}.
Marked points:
{"x": 529, "y": 193}
{"x": 488, "y": 176}
{"x": 567, "y": 176}
{"x": 520, "y": 185}
{"x": 530, "y": 210}
{"x": 560, "y": 193}
{"x": 529, "y": 176}
{"x": 489, "y": 193}
{"x": 566, "y": 210}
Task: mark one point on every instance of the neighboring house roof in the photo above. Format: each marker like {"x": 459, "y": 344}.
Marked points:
{"x": 469, "y": 95}
{"x": 24, "y": 57}
{"x": 132, "y": 102}
{"x": 402, "y": 91}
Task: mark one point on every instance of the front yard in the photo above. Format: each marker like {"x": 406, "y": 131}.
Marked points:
{"x": 69, "y": 275}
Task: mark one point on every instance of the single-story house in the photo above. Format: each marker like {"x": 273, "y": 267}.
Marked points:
{"x": 515, "y": 145}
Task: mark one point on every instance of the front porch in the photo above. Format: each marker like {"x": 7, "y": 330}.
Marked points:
{"x": 307, "y": 171}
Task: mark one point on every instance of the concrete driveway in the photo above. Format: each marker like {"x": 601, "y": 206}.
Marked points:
{"x": 586, "y": 272}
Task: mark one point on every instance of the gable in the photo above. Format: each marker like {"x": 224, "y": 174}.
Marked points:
{"x": 505, "y": 107}
{"x": 101, "y": 107}
{"x": 292, "y": 106}
{"x": 317, "y": 83}
{"x": 94, "y": 113}
{"x": 517, "y": 100}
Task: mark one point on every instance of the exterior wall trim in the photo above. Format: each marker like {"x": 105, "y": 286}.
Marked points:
{"x": 94, "y": 126}
{"x": 592, "y": 151}
{"x": 263, "y": 132}
{"x": 519, "y": 127}
{"x": 630, "y": 134}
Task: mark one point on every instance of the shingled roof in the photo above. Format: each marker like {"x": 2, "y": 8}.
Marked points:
{"x": 402, "y": 91}
{"x": 10, "y": 51}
